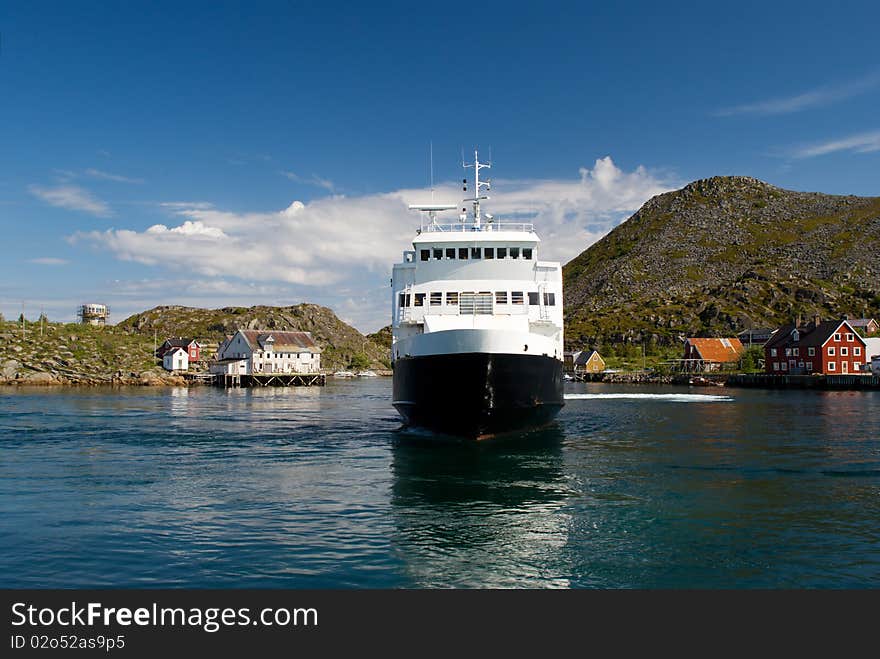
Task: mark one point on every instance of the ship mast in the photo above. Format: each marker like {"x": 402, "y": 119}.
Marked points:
{"x": 478, "y": 185}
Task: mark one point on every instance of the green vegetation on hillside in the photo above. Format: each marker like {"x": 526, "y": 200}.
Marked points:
{"x": 722, "y": 255}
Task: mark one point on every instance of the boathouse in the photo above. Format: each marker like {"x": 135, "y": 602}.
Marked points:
{"x": 832, "y": 347}
{"x": 710, "y": 354}
{"x": 252, "y": 352}
{"x": 588, "y": 361}
{"x": 175, "y": 359}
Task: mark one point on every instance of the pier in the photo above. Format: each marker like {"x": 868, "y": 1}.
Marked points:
{"x": 804, "y": 381}
{"x": 272, "y": 380}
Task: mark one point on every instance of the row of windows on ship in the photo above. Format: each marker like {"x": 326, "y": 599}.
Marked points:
{"x": 435, "y": 299}
{"x": 475, "y": 253}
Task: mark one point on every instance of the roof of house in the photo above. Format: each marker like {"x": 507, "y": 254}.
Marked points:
{"x": 281, "y": 341}
{"x": 173, "y": 349}
{"x": 861, "y": 322}
{"x": 585, "y": 356}
{"x": 179, "y": 342}
{"x": 810, "y": 335}
{"x": 718, "y": 350}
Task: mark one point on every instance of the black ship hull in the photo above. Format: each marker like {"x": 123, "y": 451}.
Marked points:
{"x": 478, "y": 395}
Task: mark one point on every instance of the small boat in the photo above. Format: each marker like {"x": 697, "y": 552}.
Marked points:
{"x": 704, "y": 382}
{"x": 343, "y": 374}
{"x": 366, "y": 374}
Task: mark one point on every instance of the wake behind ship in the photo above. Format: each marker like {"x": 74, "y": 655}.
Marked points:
{"x": 476, "y": 324}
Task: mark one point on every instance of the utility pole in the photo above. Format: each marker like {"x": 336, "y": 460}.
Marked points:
{"x": 22, "y": 321}
{"x": 41, "y": 321}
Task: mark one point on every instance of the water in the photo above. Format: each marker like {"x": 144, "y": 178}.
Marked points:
{"x": 633, "y": 487}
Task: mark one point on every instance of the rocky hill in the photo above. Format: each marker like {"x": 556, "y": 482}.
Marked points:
{"x": 340, "y": 342}
{"x": 721, "y": 255}
{"x": 69, "y": 353}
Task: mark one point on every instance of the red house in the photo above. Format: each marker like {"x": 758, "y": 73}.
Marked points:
{"x": 193, "y": 349}
{"x": 832, "y": 347}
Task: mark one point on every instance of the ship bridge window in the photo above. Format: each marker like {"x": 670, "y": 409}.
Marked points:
{"x": 516, "y": 297}
{"x": 462, "y": 252}
{"x": 425, "y": 254}
{"x": 436, "y": 299}
{"x": 452, "y": 298}
{"x": 475, "y": 252}
{"x": 502, "y": 252}
{"x": 419, "y": 300}
{"x": 527, "y": 253}
{"x": 438, "y": 253}
{"x": 404, "y": 299}
{"x": 450, "y": 252}
{"x": 500, "y": 297}
{"x": 514, "y": 252}
{"x": 533, "y": 299}
{"x": 489, "y": 252}
{"x": 550, "y": 299}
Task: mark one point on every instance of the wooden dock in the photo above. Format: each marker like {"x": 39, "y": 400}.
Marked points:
{"x": 272, "y": 380}
{"x": 762, "y": 380}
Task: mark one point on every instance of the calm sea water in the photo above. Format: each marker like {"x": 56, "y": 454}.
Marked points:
{"x": 637, "y": 487}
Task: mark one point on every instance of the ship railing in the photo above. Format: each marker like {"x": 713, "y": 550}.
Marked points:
{"x": 462, "y": 227}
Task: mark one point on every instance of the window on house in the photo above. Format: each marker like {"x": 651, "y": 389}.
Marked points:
{"x": 772, "y": 352}
{"x": 837, "y": 337}
{"x": 425, "y": 254}
{"x": 502, "y": 252}
{"x": 475, "y": 252}
{"x": 844, "y": 352}
{"x": 849, "y": 337}
{"x": 516, "y": 297}
{"x": 489, "y": 252}
{"x": 438, "y": 253}
{"x": 436, "y": 299}
{"x": 832, "y": 366}
{"x": 450, "y": 252}
{"x": 831, "y": 351}
{"x": 809, "y": 366}
{"x": 500, "y": 297}
{"x": 533, "y": 298}
{"x": 784, "y": 366}
{"x": 452, "y": 298}
{"x": 527, "y": 253}
{"x": 550, "y": 299}
{"x": 797, "y": 352}
{"x": 811, "y": 352}
{"x": 775, "y": 366}
{"x": 514, "y": 252}
{"x": 857, "y": 352}
{"x": 420, "y": 300}
{"x": 462, "y": 252}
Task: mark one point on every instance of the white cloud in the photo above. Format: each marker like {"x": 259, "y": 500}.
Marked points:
{"x": 48, "y": 260}
{"x": 861, "y": 143}
{"x": 816, "y": 97}
{"x": 310, "y": 180}
{"x": 338, "y": 250}
{"x": 106, "y": 176}
{"x": 71, "y": 197}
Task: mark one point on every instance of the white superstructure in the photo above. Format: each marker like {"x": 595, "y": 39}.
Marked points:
{"x": 476, "y": 286}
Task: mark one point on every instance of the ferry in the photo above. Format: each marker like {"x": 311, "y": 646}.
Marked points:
{"x": 477, "y": 347}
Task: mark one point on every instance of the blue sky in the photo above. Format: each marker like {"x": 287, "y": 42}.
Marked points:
{"x": 219, "y": 154}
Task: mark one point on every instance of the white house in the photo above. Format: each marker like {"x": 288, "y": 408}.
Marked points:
{"x": 249, "y": 352}
{"x": 176, "y": 359}
{"x": 872, "y": 354}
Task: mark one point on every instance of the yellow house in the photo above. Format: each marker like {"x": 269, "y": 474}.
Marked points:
{"x": 589, "y": 362}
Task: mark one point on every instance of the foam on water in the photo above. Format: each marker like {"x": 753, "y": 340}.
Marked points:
{"x": 674, "y": 398}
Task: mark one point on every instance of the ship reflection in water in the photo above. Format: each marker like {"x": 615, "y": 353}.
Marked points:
{"x": 485, "y": 515}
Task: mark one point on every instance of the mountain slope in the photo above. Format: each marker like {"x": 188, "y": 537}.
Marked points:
{"x": 339, "y": 341}
{"x": 721, "y": 255}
